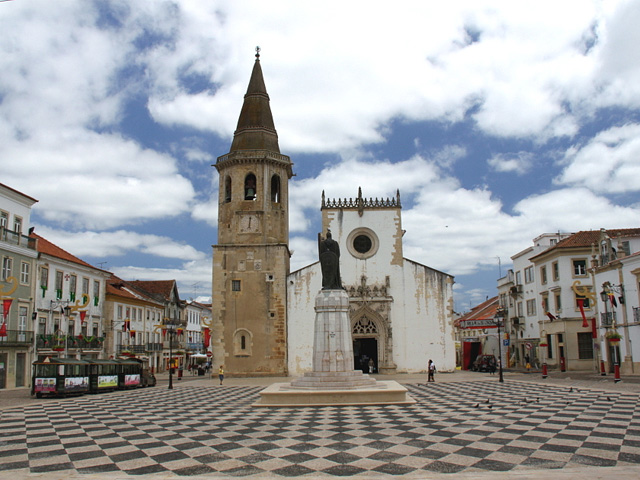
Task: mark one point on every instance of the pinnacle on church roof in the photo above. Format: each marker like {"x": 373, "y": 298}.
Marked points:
{"x": 256, "y": 130}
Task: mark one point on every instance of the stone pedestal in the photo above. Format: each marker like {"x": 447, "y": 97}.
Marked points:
{"x": 333, "y": 380}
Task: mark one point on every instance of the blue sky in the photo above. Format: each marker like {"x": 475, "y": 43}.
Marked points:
{"x": 498, "y": 121}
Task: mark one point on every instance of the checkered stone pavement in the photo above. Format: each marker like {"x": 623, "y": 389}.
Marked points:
{"x": 214, "y": 430}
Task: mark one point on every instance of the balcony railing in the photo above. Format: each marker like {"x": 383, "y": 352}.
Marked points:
{"x": 16, "y": 238}
{"x": 154, "y": 347}
{"x": 16, "y": 338}
{"x": 636, "y": 314}
{"x": 71, "y": 342}
{"x": 139, "y": 349}
{"x": 607, "y": 319}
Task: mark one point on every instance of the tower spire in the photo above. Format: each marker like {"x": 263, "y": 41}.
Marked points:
{"x": 256, "y": 130}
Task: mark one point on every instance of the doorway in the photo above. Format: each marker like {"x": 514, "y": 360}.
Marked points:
{"x": 3, "y": 370}
{"x": 365, "y": 349}
{"x": 21, "y": 362}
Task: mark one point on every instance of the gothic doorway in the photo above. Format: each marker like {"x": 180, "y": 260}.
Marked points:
{"x": 365, "y": 350}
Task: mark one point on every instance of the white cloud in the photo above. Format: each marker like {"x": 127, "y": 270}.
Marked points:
{"x": 118, "y": 243}
{"x": 519, "y": 163}
{"x": 338, "y": 84}
{"x": 191, "y": 276}
{"x": 523, "y": 71}
{"x": 87, "y": 180}
{"x": 608, "y": 163}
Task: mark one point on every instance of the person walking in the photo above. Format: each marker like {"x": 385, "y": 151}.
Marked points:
{"x": 431, "y": 370}
{"x": 221, "y": 373}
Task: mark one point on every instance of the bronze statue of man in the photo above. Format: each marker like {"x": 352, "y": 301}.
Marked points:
{"x": 329, "y": 252}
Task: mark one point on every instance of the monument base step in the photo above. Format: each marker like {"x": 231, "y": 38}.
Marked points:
{"x": 384, "y": 393}
{"x": 352, "y": 380}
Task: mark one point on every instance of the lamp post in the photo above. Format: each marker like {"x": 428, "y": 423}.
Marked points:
{"x": 65, "y": 310}
{"x": 170, "y": 328}
{"x": 614, "y": 340}
{"x": 498, "y": 318}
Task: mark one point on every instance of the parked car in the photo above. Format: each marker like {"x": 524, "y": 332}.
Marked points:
{"x": 483, "y": 363}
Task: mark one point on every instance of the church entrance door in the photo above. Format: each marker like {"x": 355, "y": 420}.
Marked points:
{"x": 365, "y": 349}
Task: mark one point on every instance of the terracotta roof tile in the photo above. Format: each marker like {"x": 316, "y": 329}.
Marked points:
{"x": 121, "y": 288}
{"x": 586, "y": 238}
{"x": 155, "y": 288}
{"x": 485, "y": 310}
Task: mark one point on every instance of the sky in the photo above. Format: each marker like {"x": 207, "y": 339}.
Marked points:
{"x": 497, "y": 121}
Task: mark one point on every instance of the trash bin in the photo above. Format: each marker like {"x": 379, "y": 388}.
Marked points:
{"x": 563, "y": 366}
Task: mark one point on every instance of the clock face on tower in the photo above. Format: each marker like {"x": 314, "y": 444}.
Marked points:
{"x": 248, "y": 224}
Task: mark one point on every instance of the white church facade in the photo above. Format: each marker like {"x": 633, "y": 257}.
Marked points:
{"x": 263, "y": 315}
{"x": 401, "y": 311}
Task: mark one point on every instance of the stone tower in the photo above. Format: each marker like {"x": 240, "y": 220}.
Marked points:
{"x": 251, "y": 258}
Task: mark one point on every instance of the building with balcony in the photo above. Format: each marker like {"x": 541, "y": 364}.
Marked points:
{"x": 521, "y": 302}
{"x": 197, "y": 316}
{"x": 133, "y": 323}
{"x": 616, "y": 280}
{"x": 18, "y": 262}
{"x": 69, "y": 302}
{"x": 173, "y": 325}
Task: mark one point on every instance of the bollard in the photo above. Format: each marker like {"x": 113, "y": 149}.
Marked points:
{"x": 602, "y": 370}
{"x": 544, "y": 370}
{"x": 616, "y": 373}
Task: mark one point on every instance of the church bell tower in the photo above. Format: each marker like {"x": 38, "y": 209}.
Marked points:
{"x": 251, "y": 258}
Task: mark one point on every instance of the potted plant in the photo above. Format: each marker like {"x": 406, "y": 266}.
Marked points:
{"x": 613, "y": 336}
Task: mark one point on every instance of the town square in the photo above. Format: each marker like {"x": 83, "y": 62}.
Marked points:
{"x": 464, "y": 425}
{"x": 359, "y": 239}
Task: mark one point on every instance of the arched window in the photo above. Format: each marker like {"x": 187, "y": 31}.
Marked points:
{"x": 242, "y": 342}
{"x": 250, "y": 187}
{"x": 275, "y": 189}
{"x": 227, "y": 189}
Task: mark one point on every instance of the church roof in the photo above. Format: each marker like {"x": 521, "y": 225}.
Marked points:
{"x": 256, "y": 130}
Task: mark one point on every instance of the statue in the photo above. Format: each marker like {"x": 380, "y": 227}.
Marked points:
{"x": 329, "y": 252}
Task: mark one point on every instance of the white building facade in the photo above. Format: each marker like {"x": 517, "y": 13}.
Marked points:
{"x": 69, "y": 302}
{"x": 617, "y": 287}
{"x": 401, "y": 311}
{"x": 17, "y": 279}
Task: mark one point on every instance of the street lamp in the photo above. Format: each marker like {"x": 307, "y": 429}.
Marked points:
{"x": 498, "y": 318}
{"x": 65, "y": 311}
{"x": 170, "y": 328}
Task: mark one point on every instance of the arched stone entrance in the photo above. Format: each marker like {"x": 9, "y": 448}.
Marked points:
{"x": 364, "y": 333}
{"x": 370, "y": 312}
{"x": 371, "y": 340}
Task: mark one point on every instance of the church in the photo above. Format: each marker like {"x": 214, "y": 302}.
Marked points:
{"x": 263, "y": 315}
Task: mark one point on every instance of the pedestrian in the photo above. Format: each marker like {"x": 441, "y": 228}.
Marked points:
{"x": 371, "y": 365}
{"x": 527, "y": 363}
{"x": 221, "y": 373}
{"x": 431, "y": 370}
{"x": 492, "y": 366}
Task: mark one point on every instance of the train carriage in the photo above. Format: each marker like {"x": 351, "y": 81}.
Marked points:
{"x": 60, "y": 377}
{"x": 65, "y": 376}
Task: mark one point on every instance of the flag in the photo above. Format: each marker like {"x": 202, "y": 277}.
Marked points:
{"x": 551, "y": 316}
{"x": 3, "y": 330}
{"x": 612, "y": 299}
{"x": 207, "y": 337}
{"x": 6, "y": 306}
{"x": 584, "y": 317}
{"x": 83, "y": 314}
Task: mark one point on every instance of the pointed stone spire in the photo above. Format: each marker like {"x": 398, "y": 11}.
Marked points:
{"x": 256, "y": 130}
